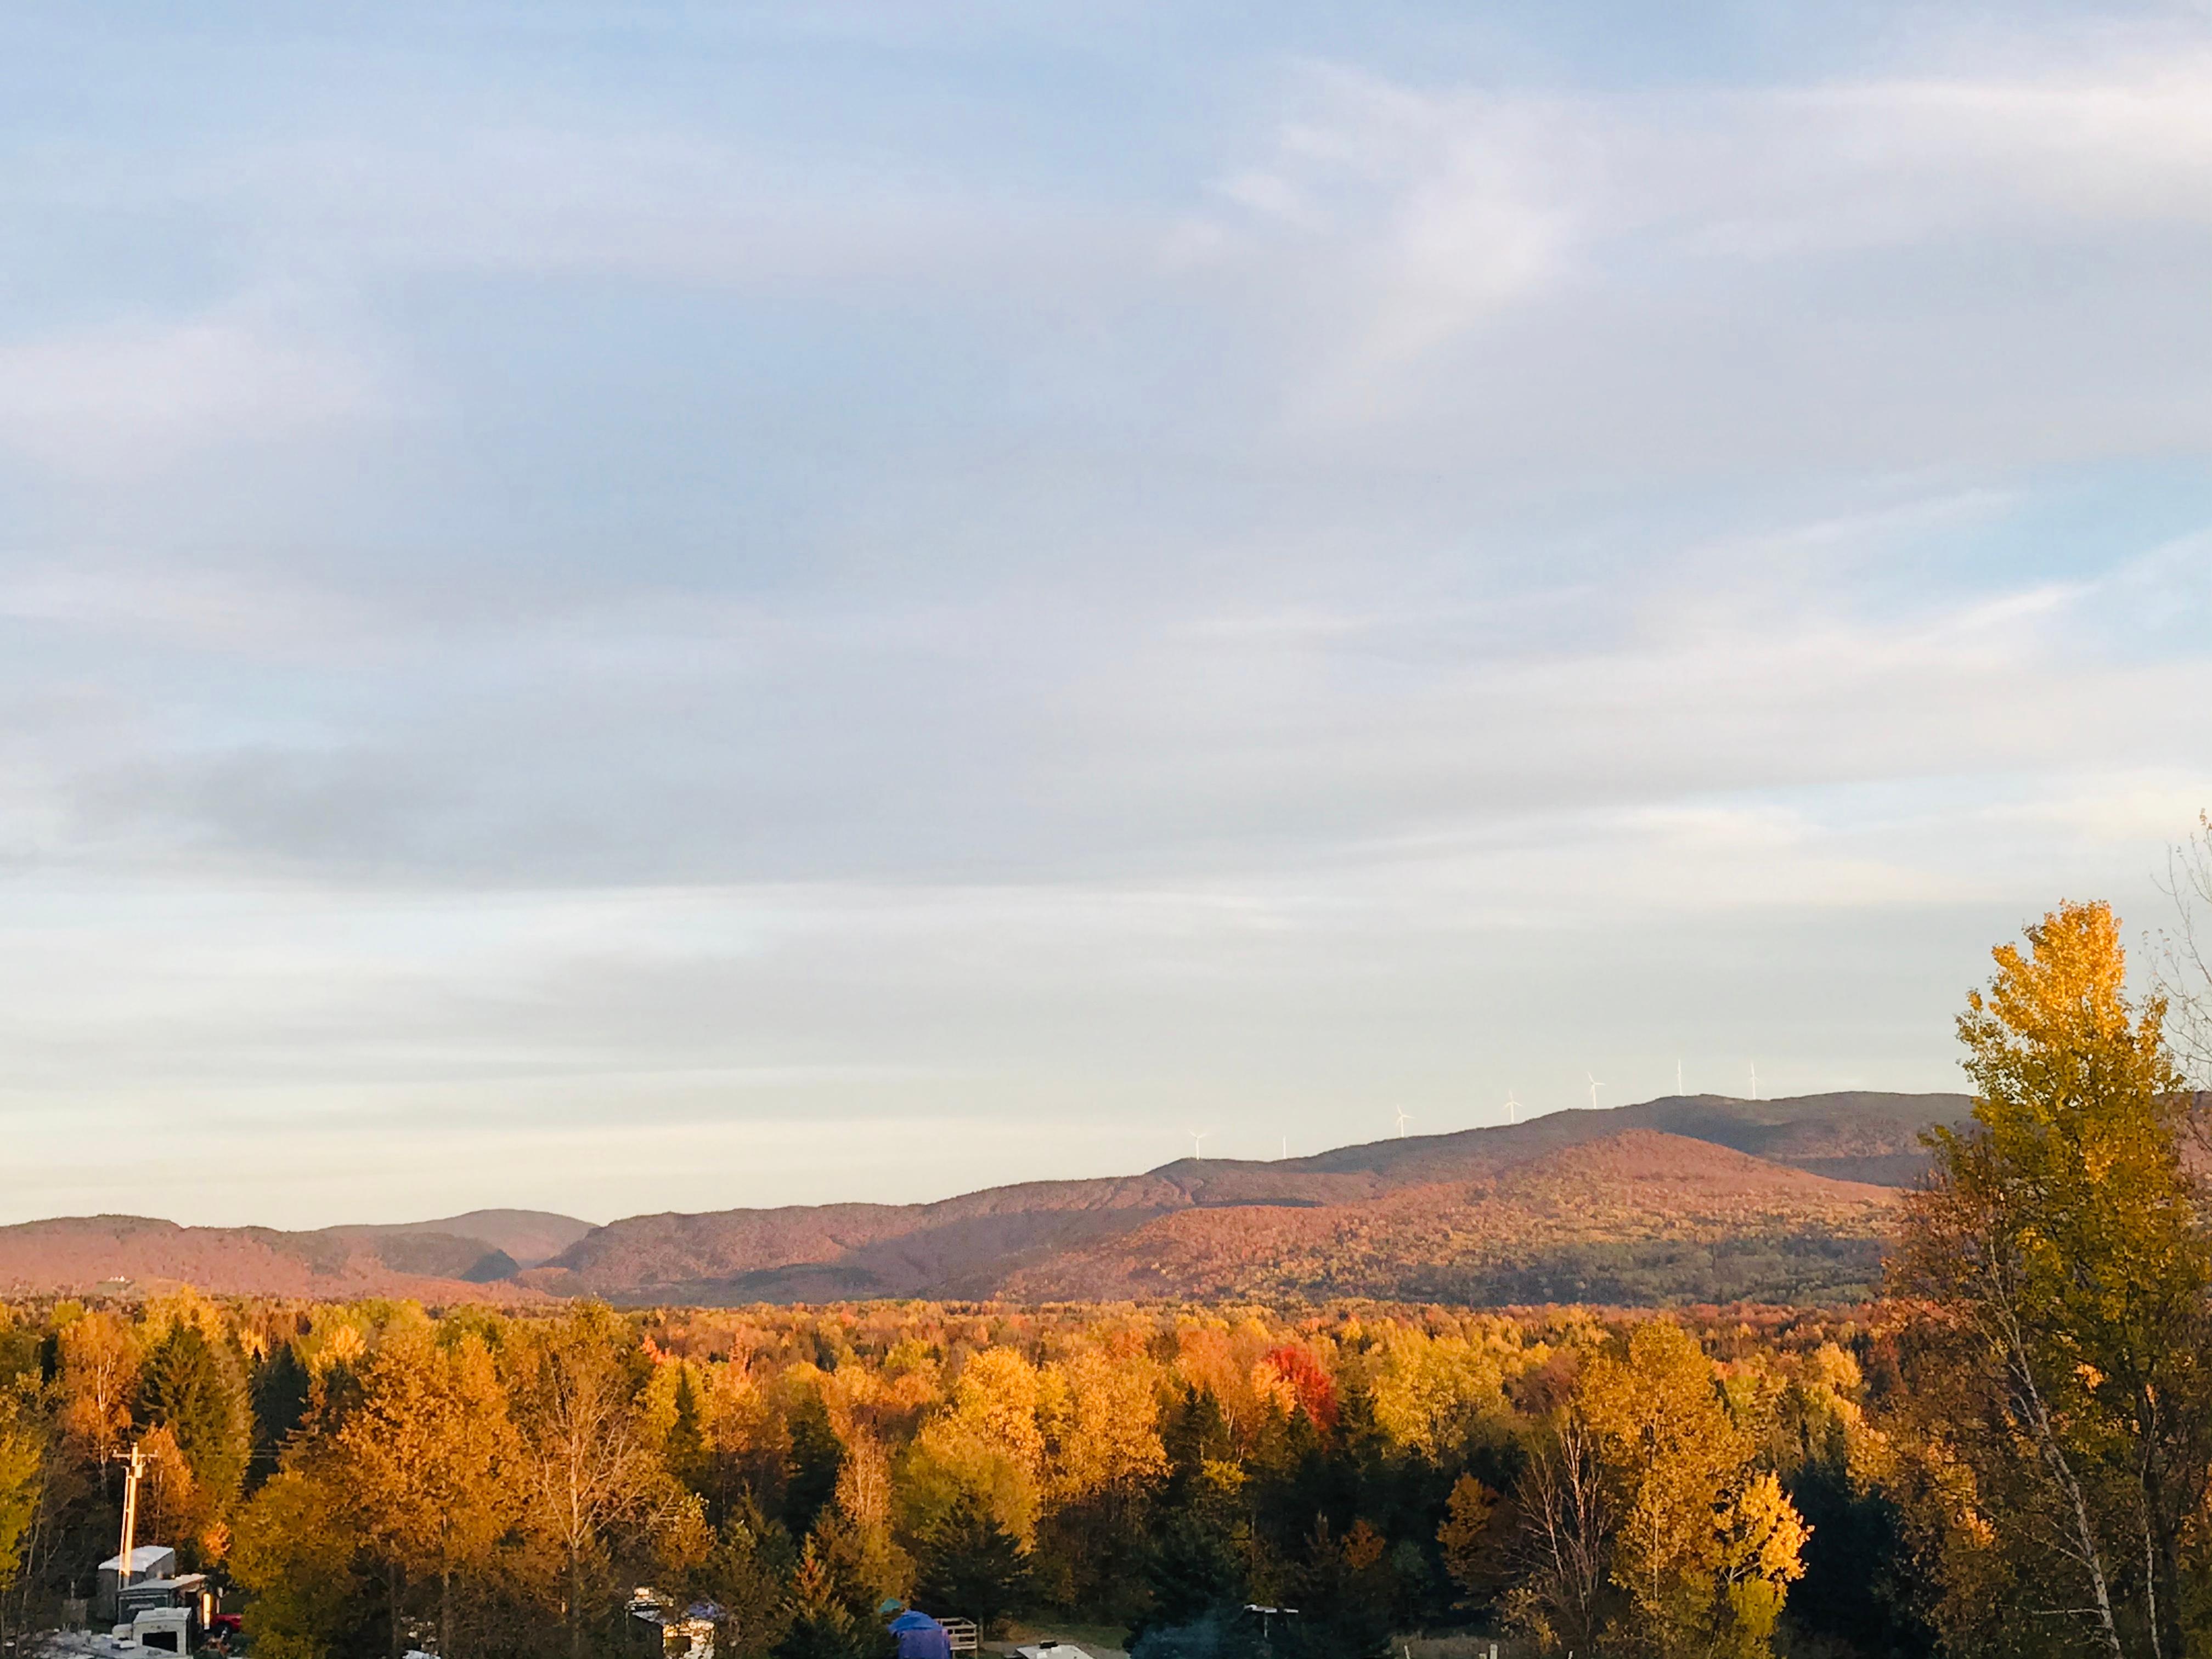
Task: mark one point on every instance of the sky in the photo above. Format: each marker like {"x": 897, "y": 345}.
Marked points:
{"x": 669, "y": 607}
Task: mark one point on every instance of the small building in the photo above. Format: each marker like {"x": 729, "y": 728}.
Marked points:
{"x": 689, "y": 1634}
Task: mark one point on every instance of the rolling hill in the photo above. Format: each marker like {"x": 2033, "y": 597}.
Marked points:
{"x": 456, "y": 1259}
{"x": 1635, "y": 1217}
{"x": 1518, "y": 1213}
{"x": 1696, "y": 1198}
{"x": 524, "y": 1237}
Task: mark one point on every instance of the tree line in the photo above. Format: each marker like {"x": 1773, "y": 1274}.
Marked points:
{"x": 2008, "y": 1453}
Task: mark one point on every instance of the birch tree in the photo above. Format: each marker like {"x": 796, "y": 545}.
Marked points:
{"x": 587, "y": 1467}
{"x": 2061, "y": 1259}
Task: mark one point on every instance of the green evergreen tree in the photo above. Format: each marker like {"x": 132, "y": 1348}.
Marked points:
{"x": 971, "y": 1567}
{"x": 686, "y": 1451}
{"x": 280, "y": 1391}
{"x": 1341, "y": 1588}
{"x": 193, "y": 1387}
{"x": 822, "y": 1626}
{"x": 1196, "y": 1553}
{"x": 747, "y": 1574}
{"x": 818, "y": 1457}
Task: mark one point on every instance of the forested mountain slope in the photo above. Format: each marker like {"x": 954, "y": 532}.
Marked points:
{"x": 526, "y": 1237}
{"x": 80, "y": 1253}
{"x": 1638, "y": 1216}
{"x": 1809, "y": 1176}
{"x": 1697, "y": 1198}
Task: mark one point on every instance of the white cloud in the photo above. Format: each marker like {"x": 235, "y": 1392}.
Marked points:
{"x": 1426, "y": 221}
{"x": 136, "y": 397}
{"x": 837, "y": 656}
{"x": 216, "y": 609}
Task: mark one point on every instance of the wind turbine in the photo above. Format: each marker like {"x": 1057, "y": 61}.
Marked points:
{"x": 1595, "y": 1086}
{"x": 1404, "y": 1118}
{"x": 1754, "y": 1079}
{"x": 1197, "y": 1141}
{"x": 1512, "y": 1106}
{"x": 1678, "y": 1075}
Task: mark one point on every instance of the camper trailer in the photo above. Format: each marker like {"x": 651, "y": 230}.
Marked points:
{"x": 145, "y": 1561}
{"x": 147, "y": 1605}
{"x": 172, "y": 1615}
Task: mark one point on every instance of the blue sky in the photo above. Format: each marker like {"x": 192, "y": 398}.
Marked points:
{"x": 668, "y": 607}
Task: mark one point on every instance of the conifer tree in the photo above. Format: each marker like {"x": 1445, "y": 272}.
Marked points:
{"x": 279, "y": 1398}
{"x": 746, "y": 1574}
{"x": 1342, "y": 1590}
{"x": 970, "y": 1566}
{"x": 818, "y": 1457}
{"x": 685, "y": 1448}
{"x": 192, "y": 1387}
{"x": 822, "y": 1625}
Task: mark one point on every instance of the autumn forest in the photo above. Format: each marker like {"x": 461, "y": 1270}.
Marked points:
{"x": 2005, "y": 1452}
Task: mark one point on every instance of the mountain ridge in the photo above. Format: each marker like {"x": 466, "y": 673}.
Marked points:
{"x": 1001, "y": 1240}
{"x": 1659, "y": 1199}
{"x": 1450, "y": 1240}
{"x": 79, "y": 1255}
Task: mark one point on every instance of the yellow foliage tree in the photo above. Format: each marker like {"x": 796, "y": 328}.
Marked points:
{"x": 1762, "y": 1555}
{"x": 293, "y": 1552}
{"x": 99, "y": 1374}
{"x": 987, "y": 1441}
{"x": 1100, "y": 1422}
{"x": 1226, "y": 1361}
{"x": 585, "y": 1464}
{"x": 1431, "y": 1393}
{"x": 2060, "y": 1254}
{"x": 427, "y": 1458}
{"x": 1705, "y": 1546}
{"x": 1465, "y": 1536}
{"x": 22, "y": 1479}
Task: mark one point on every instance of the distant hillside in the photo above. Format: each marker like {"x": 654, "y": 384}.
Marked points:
{"x": 1810, "y": 1176}
{"x": 524, "y": 1237}
{"x": 82, "y": 1254}
{"x": 1638, "y": 1216}
{"x": 1855, "y": 1136}
{"x": 1696, "y": 1197}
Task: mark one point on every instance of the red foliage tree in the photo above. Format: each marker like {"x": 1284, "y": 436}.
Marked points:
{"x": 1314, "y": 1388}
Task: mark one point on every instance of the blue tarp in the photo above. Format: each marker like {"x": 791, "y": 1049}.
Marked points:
{"x": 921, "y": 1637}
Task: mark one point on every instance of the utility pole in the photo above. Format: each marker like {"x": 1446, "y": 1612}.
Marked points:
{"x": 132, "y": 1471}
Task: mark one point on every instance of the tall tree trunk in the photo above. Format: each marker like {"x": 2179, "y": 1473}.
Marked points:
{"x": 576, "y": 1604}
{"x": 2087, "y": 1552}
{"x": 2167, "y": 1496}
